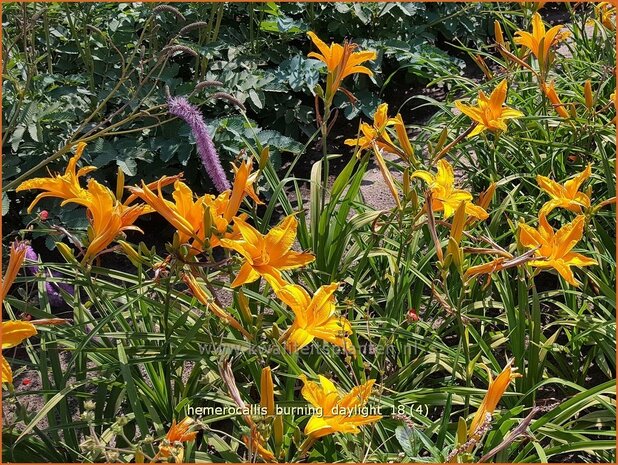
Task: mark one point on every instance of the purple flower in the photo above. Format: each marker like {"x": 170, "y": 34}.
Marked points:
{"x": 180, "y": 107}
{"x": 52, "y": 289}
{"x": 32, "y": 256}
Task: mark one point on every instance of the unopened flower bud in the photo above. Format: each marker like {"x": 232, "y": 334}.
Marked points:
{"x": 412, "y": 316}
{"x": 89, "y": 405}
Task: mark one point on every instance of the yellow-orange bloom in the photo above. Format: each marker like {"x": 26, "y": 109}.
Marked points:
{"x": 108, "y": 217}
{"x": 377, "y": 133}
{"x": 266, "y": 255}
{"x": 565, "y": 195}
{"x": 190, "y": 214}
{"x": 13, "y": 333}
{"x": 339, "y": 412}
{"x": 495, "y": 391}
{"x": 554, "y": 248}
{"x": 178, "y": 433}
{"x": 550, "y": 92}
{"x": 606, "y": 14}
{"x": 185, "y": 213}
{"x": 64, "y": 186}
{"x": 489, "y": 112}
{"x": 341, "y": 61}
{"x": 16, "y": 259}
{"x": 445, "y": 197}
{"x": 540, "y": 41}
{"x": 315, "y": 317}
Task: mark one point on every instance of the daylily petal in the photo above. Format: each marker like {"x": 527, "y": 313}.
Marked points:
{"x": 317, "y": 427}
{"x": 358, "y": 396}
{"x": 577, "y": 259}
{"x": 246, "y": 274}
{"x": 297, "y": 299}
{"x": 529, "y": 237}
{"x": 279, "y": 239}
{"x": 322, "y": 305}
{"x": 477, "y": 130}
{"x": 293, "y": 259}
{"x": 565, "y": 271}
{"x": 298, "y": 338}
{"x": 497, "y": 98}
{"x": 15, "y": 331}
{"x": 424, "y": 175}
{"x": 7, "y": 373}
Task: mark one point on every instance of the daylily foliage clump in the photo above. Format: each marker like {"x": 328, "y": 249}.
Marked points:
{"x": 287, "y": 316}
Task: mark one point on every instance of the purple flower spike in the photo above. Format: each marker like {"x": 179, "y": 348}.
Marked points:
{"x": 180, "y": 107}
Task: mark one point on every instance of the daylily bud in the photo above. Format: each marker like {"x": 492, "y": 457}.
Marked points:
{"x": 414, "y": 200}
{"x": 486, "y": 197}
{"x": 481, "y": 62}
{"x": 498, "y": 33}
{"x": 143, "y": 249}
{"x": 207, "y": 221}
{"x": 119, "y": 184}
{"x": 459, "y": 221}
{"x": 406, "y": 183}
{"x": 243, "y": 306}
{"x": 412, "y": 316}
{"x": 66, "y": 252}
{"x": 588, "y": 94}
{"x": 441, "y": 139}
{"x": 139, "y": 456}
{"x": 275, "y": 332}
{"x": 131, "y": 253}
{"x": 267, "y": 393}
{"x": 264, "y": 156}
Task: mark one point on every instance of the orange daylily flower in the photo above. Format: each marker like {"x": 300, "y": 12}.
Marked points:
{"x": 16, "y": 259}
{"x": 550, "y": 92}
{"x": 495, "y": 391}
{"x": 540, "y": 41}
{"x": 13, "y": 333}
{"x": 489, "y": 112}
{"x": 266, "y": 255}
{"x": 108, "y": 217}
{"x": 444, "y": 194}
{"x": 377, "y": 133}
{"x": 248, "y": 187}
{"x": 554, "y": 248}
{"x": 605, "y": 13}
{"x": 172, "y": 445}
{"x": 565, "y": 195}
{"x": 315, "y": 318}
{"x": 341, "y": 61}
{"x": 64, "y": 186}
{"x": 338, "y": 411}
{"x": 187, "y": 213}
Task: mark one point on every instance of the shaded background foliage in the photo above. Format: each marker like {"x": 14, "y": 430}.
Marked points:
{"x": 62, "y": 60}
